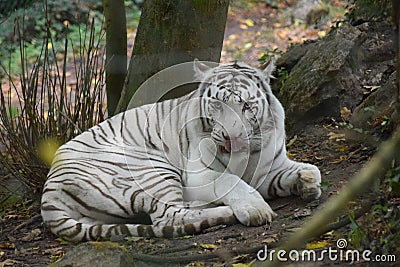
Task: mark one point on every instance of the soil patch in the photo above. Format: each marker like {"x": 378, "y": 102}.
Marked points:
{"x": 25, "y": 241}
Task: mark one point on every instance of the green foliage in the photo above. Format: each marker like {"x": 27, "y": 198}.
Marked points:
{"x": 348, "y": 125}
{"x": 53, "y": 20}
{"x": 357, "y": 234}
{"x": 281, "y": 73}
{"x": 393, "y": 182}
{"x": 132, "y": 15}
{"x": 325, "y": 185}
{"x": 384, "y": 227}
{"x": 379, "y": 230}
{"x": 64, "y": 18}
{"x": 8, "y": 202}
{"x": 270, "y": 54}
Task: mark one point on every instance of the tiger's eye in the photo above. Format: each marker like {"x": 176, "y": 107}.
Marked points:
{"x": 246, "y": 106}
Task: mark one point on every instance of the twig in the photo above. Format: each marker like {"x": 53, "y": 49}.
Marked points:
{"x": 28, "y": 222}
{"x": 175, "y": 249}
{"x": 346, "y": 220}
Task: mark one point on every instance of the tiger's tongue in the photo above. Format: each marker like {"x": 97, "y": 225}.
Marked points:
{"x": 234, "y": 145}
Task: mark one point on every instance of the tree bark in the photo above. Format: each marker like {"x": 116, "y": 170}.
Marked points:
{"x": 172, "y": 32}
{"x": 396, "y": 23}
{"x": 116, "y": 50}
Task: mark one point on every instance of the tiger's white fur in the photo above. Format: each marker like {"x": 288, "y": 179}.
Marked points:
{"x": 135, "y": 173}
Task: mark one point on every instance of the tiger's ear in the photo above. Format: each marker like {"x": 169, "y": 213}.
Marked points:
{"x": 200, "y": 69}
{"x": 268, "y": 68}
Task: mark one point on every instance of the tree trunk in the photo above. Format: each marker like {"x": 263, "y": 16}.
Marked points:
{"x": 172, "y": 32}
{"x": 116, "y": 50}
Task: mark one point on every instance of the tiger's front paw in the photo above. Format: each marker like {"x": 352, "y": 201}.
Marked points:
{"x": 309, "y": 183}
{"x": 252, "y": 210}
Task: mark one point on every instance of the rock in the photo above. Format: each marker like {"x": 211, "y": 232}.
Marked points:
{"x": 99, "y": 254}
{"x": 334, "y": 72}
{"x": 375, "y": 113}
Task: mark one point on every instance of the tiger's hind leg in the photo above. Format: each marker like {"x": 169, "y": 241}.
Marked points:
{"x": 177, "y": 213}
{"x": 166, "y": 206}
{"x": 198, "y": 204}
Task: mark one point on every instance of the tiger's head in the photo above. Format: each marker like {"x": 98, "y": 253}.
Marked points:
{"x": 234, "y": 101}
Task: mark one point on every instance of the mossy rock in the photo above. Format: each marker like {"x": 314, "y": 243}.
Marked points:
{"x": 370, "y": 10}
{"x": 334, "y": 72}
{"x": 99, "y": 254}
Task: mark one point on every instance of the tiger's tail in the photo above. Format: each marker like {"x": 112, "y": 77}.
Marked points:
{"x": 74, "y": 231}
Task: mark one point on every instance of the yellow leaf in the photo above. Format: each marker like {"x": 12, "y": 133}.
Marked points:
{"x": 328, "y": 234}
{"x": 250, "y": 264}
{"x": 340, "y": 159}
{"x": 345, "y": 112}
{"x": 247, "y": 46}
{"x": 241, "y": 257}
{"x": 317, "y": 245}
{"x": 321, "y": 34}
{"x": 249, "y": 22}
{"x": 342, "y": 148}
{"x": 208, "y": 246}
{"x": 290, "y": 155}
{"x": 7, "y": 245}
{"x": 63, "y": 241}
{"x": 47, "y": 149}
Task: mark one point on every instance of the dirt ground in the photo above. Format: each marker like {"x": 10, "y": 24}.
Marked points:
{"x": 25, "y": 242}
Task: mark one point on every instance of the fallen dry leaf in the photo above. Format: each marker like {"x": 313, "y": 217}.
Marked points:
{"x": 302, "y": 213}
{"x": 32, "y": 235}
{"x": 208, "y": 246}
{"x": 336, "y": 136}
{"x": 270, "y": 239}
{"x": 9, "y": 262}
{"x": 7, "y": 245}
{"x": 249, "y": 22}
{"x": 317, "y": 244}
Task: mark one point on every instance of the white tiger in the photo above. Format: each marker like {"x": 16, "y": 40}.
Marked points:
{"x": 141, "y": 172}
